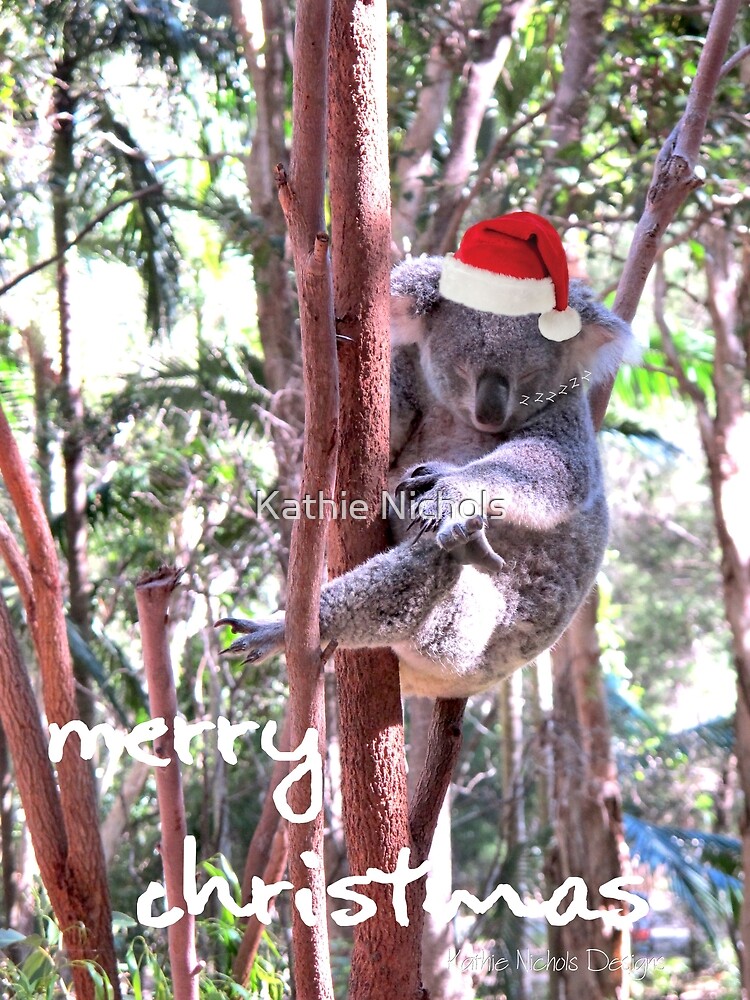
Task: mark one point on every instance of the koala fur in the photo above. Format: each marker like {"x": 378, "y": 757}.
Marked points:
{"x": 483, "y": 408}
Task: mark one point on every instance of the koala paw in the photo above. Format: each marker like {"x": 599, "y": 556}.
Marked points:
{"x": 436, "y": 506}
{"x": 258, "y": 641}
{"x": 457, "y": 533}
{"x": 467, "y": 541}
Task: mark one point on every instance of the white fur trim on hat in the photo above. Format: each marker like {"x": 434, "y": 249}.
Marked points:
{"x": 478, "y": 288}
{"x": 559, "y": 326}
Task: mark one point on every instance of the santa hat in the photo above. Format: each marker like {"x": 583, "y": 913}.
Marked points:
{"x": 513, "y": 265}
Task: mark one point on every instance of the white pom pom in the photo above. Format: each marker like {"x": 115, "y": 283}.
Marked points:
{"x": 560, "y": 326}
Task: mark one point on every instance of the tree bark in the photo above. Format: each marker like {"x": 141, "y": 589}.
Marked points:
{"x": 7, "y": 821}
{"x": 587, "y": 816}
{"x": 512, "y": 826}
{"x": 44, "y": 815}
{"x": 481, "y": 76}
{"x": 302, "y": 199}
{"x": 71, "y": 400}
{"x": 38, "y": 579}
{"x": 276, "y": 320}
{"x": 44, "y": 385}
{"x": 441, "y": 973}
{"x": 272, "y": 871}
{"x": 152, "y": 595}
{"x": 259, "y": 855}
{"x": 371, "y": 728}
{"x": 673, "y": 180}
{"x": 582, "y": 48}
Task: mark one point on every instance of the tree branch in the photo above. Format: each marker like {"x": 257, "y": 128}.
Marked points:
{"x": 46, "y": 620}
{"x": 143, "y": 193}
{"x": 259, "y": 859}
{"x": 152, "y": 595}
{"x": 443, "y": 746}
{"x": 484, "y": 172}
{"x": 734, "y": 60}
{"x": 17, "y": 565}
{"x": 687, "y": 386}
{"x": 301, "y": 194}
{"x": 673, "y": 180}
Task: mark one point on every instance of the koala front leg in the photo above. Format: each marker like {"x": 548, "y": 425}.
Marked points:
{"x": 383, "y": 601}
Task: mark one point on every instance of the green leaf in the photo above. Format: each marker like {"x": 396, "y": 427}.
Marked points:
{"x": 10, "y": 937}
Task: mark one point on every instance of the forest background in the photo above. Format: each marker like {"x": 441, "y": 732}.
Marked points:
{"x": 151, "y": 375}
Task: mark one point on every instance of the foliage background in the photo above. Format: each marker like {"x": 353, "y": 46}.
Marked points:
{"x": 179, "y": 418}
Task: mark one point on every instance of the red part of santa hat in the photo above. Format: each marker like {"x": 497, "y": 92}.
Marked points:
{"x": 513, "y": 265}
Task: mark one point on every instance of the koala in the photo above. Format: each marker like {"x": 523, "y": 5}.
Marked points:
{"x": 497, "y": 508}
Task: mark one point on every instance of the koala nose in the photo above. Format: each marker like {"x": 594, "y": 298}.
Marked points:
{"x": 491, "y": 400}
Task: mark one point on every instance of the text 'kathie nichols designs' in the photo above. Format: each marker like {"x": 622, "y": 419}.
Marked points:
{"x": 550, "y": 397}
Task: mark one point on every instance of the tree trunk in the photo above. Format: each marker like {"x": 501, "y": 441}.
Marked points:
{"x": 726, "y": 444}
{"x": 22, "y": 917}
{"x": 7, "y": 823}
{"x": 38, "y": 580}
{"x": 385, "y": 958}
{"x": 512, "y": 827}
{"x": 441, "y": 971}
{"x": 71, "y": 401}
{"x": 582, "y": 48}
{"x": 302, "y": 198}
{"x": 44, "y": 385}
{"x": 44, "y": 816}
{"x": 276, "y": 321}
{"x": 587, "y": 815}
{"x": 152, "y": 596}
{"x": 481, "y": 76}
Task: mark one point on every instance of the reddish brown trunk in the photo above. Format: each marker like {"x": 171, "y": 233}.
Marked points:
{"x": 372, "y": 752}
{"x": 152, "y": 595}
{"x": 587, "y": 817}
{"x": 272, "y": 871}
{"x": 7, "y": 818}
{"x": 39, "y": 796}
{"x": 258, "y": 859}
{"x": 442, "y": 976}
{"x": 44, "y": 385}
{"x": 302, "y": 199}
{"x": 39, "y": 582}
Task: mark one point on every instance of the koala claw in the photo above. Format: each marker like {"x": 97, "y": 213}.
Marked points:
{"x": 425, "y": 524}
{"x": 258, "y": 639}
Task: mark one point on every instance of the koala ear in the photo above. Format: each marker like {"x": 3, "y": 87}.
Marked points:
{"x": 414, "y": 293}
{"x": 605, "y": 340}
